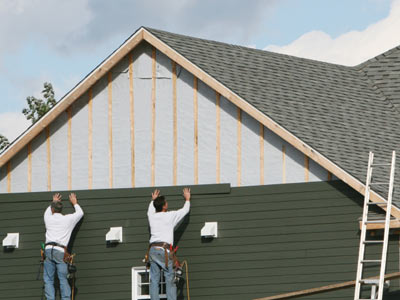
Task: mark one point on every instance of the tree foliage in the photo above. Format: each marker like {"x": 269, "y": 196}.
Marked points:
{"x": 3, "y": 142}
{"x": 39, "y": 107}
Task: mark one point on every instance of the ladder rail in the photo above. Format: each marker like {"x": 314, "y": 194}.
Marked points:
{"x": 387, "y": 228}
{"x": 363, "y": 228}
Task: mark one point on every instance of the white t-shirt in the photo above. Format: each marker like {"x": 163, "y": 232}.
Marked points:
{"x": 162, "y": 224}
{"x": 59, "y": 227}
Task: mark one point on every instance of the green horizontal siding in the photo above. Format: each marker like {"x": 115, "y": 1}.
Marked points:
{"x": 272, "y": 239}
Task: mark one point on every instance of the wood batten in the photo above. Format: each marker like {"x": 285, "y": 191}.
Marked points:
{"x": 239, "y": 146}
{"x": 261, "y": 154}
{"x": 153, "y": 115}
{"x": 175, "y": 126}
{"x": 9, "y": 176}
{"x": 329, "y": 177}
{"x": 48, "y": 153}
{"x": 69, "y": 113}
{"x": 264, "y": 119}
{"x": 283, "y": 164}
{"x": 90, "y": 139}
{"x": 72, "y": 96}
{"x": 29, "y": 148}
{"x": 306, "y": 168}
{"x": 218, "y": 134}
{"x": 110, "y": 136}
{"x": 196, "y": 130}
{"x": 132, "y": 119}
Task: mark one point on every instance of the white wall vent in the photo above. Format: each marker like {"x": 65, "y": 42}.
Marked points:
{"x": 11, "y": 240}
{"x": 210, "y": 230}
{"x": 114, "y": 235}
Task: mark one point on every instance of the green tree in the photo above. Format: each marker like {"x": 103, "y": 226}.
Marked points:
{"x": 39, "y": 107}
{"x": 3, "y": 142}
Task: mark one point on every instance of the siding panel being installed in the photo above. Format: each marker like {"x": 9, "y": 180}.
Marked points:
{"x": 271, "y": 240}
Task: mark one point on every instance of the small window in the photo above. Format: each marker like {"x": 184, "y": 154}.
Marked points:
{"x": 141, "y": 284}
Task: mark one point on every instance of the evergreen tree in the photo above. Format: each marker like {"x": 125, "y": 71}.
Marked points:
{"x": 3, "y": 142}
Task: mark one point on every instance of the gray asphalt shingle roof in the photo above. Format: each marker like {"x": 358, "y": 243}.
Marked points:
{"x": 342, "y": 112}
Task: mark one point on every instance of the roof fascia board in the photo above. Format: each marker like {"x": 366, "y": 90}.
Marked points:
{"x": 262, "y": 118}
{"x": 71, "y": 97}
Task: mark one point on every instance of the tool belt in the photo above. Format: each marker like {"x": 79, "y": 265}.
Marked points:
{"x": 167, "y": 247}
{"x": 67, "y": 256}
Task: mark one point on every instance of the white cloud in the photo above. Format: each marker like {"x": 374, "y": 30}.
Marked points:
{"x": 351, "y": 48}
{"x": 12, "y": 124}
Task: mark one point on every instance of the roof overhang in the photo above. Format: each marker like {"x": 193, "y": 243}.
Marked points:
{"x": 144, "y": 35}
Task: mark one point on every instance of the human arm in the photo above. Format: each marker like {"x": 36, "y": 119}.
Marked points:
{"x": 56, "y": 198}
{"x": 152, "y": 210}
{"x": 78, "y": 214}
{"x": 181, "y": 213}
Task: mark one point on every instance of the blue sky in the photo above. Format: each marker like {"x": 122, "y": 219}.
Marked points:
{"x": 62, "y": 41}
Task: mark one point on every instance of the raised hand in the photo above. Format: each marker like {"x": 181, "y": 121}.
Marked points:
{"x": 73, "y": 199}
{"x": 155, "y": 194}
{"x": 186, "y": 194}
{"x": 56, "y": 197}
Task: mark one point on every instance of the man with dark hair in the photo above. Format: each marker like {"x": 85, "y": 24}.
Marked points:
{"x": 162, "y": 225}
{"x": 59, "y": 228}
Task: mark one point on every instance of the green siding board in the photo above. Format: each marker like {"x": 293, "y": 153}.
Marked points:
{"x": 272, "y": 239}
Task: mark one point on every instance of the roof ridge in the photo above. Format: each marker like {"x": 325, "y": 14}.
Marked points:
{"x": 261, "y": 51}
{"x": 377, "y": 58}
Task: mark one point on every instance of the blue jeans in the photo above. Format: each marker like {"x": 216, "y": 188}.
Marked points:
{"x": 54, "y": 261}
{"x": 157, "y": 262}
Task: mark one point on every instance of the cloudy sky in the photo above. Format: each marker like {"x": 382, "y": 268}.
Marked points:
{"x": 61, "y": 41}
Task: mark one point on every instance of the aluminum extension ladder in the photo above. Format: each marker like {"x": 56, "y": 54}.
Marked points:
{"x": 379, "y": 282}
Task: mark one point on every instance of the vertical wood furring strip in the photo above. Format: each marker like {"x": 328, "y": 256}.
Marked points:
{"x": 132, "y": 119}
{"x": 175, "y": 126}
{"x": 153, "y": 116}
{"x": 239, "y": 146}
{"x": 218, "y": 148}
{"x": 90, "y": 139}
{"x": 283, "y": 164}
{"x": 196, "y": 130}
{"x": 306, "y": 168}
{"x": 69, "y": 112}
{"x": 110, "y": 137}
{"x": 48, "y": 158}
{"x": 329, "y": 176}
{"x": 29, "y": 166}
{"x": 261, "y": 154}
{"x": 9, "y": 176}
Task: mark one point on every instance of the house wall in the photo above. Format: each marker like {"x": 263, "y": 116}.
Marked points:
{"x": 121, "y": 133}
{"x": 271, "y": 239}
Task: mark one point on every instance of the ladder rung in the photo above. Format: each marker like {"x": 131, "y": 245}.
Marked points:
{"x": 378, "y": 165}
{"x": 370, "y": 281}
{"x": 375, "y": 221}
{"x": 373, "y": 242}
{"x": 371, "y": 261}
{"x": 376, "y": 203}
{"x": 378, "y": 183}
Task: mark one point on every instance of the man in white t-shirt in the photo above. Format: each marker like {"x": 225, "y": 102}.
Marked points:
{"x": 59, "y": 228}
{"x": 162, "y": 225}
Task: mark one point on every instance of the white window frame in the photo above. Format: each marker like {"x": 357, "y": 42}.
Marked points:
{"x": 136, "y": 284}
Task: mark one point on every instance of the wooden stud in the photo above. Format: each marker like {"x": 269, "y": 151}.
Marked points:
{"x": 329, "y": 176}
{"x": 30, "y": 167}
{"x": 132, "y": 119}
{"x": 90, "y": 139}
{"x": 69, "y": 112}
{"x": 218, "y": 133}
{"x": 9, "y": 176}
{"x": 153, "y": 117}
{"x": 72, "y": 96}
{"x": 376, "y": 226}
{"x": 283, "y": 164}
{"x": 110, "y": 137}
{"x": 48, "y": 158}
{"x": 175, "y": 126}
{"x": 239, "y": 146}
{"x": 196, "y": 130}
{"x": 261, "y": 154}
{"x": 306, "y": 168}
{"x": 322, "y": 289}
